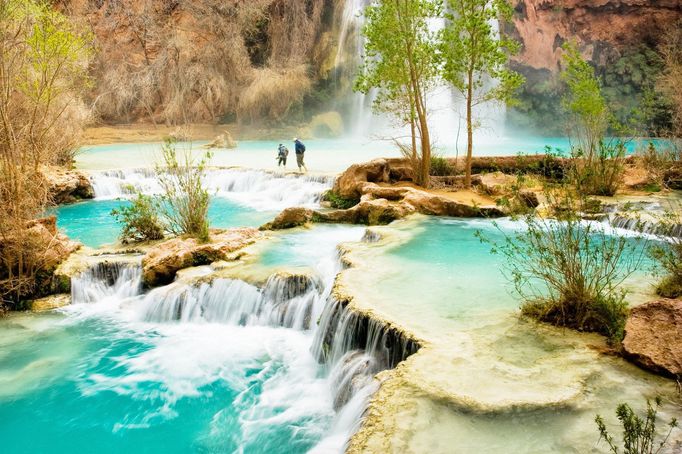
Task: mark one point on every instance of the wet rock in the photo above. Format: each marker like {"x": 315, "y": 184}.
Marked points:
{"x": 289, "y": 219}
{"x": 163, "y": 261}
{"x": 68, "y": 186}
{"x": 652, "y": 337}
{"x": 51, "y": 302}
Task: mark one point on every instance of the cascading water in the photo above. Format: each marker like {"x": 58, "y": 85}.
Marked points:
{"x": 447, "y": 108}
{"x": 351, "y": 347}
{"x": 254, "y": 188}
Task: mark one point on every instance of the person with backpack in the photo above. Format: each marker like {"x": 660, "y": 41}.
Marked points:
{"x": 282, "y": 154}
{"x": 300, "y": 152}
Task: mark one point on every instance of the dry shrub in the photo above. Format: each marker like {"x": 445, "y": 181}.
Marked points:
{"x": 670, "y": 80}
{"x": 273, "y": 92}
{"x": 43, "y": 67}
{"x": 191, "y": 60}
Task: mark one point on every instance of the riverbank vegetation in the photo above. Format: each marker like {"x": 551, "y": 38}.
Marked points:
{"x": 180, "y": 209}
{"x": 43, "y": 72}
{"x": 639, "y": 434}
{"x": 667, "y": 253}
{"x": 566, "y": 271}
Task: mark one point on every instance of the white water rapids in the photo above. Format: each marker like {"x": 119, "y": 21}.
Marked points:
{"x": 299, "y": 304}
{"x": 256, "y": 189}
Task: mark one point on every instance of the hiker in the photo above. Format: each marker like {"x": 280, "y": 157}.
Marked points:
{"x": 282, "y": 153}
{"x": 300, "y": 151}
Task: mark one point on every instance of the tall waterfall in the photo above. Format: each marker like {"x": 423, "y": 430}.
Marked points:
{"x": 351, "y": 347}
{"x": 447, "y": 108}
{"x": 254, "y": 188}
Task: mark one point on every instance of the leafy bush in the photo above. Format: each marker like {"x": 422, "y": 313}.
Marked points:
{"x": 184, "y": 200}
{"x": 599, "y": 173}
{"x": 668, "y": 254}
{"x": 140, "y": 221}
{"x": 441, "y": 167}
{"x": 567, "y": 272}
{"x": 336, "y": 201}
{"x": 639, "y": 435}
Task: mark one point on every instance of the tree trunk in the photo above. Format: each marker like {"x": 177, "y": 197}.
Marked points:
{"x": 470, "y": 133}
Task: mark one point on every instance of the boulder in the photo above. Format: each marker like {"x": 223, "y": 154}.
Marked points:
{"x": 349, "y": 185}
{"x": 290, "y": 218}
{"x": 529, "y": 198}
{"x": 68, "y": 186}
{"x": 496, "y": 183}
{"x": 224, "y": 140}
{"x": 435, "y": 205}
{"x": 163, "y": 261}
{"x": 652, "y": 337}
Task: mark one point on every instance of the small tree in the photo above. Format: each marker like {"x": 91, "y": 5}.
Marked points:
{"x": 140, "y": 221}
{"x": 639, "y": 435}
{"x": 43, "y": 70}
{"x": 476, "y": 57}
{"x": 401, "y": 61}
{"x": 567, "y": 272}
{"x": 597, "y": 163}
{"x": 184, "y": 200}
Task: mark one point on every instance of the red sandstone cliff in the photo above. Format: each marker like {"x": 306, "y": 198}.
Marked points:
{"x": 600, "y": 27}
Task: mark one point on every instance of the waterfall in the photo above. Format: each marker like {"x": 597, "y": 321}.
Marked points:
{"x": 290, "y": 301}
{"x": 352, "y": 347}
{"x": 106, "y": 280}
{"x": 254, "y": 188}
{"x": 446, "y": 107}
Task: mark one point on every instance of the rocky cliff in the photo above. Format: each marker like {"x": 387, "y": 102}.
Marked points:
{"x": 273, "y": 61}
{"x": 618, "y": 36}
{"x": 203, "y": 60}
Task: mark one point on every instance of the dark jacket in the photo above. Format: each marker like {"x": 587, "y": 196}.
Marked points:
{"x": 300, "y": 148}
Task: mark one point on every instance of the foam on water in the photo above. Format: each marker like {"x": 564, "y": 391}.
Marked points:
{"x": 215, "y": 366}
{"x": 257, "y": 189}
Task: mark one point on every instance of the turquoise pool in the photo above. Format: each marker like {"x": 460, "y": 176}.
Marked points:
{"x": 91, "y": 222}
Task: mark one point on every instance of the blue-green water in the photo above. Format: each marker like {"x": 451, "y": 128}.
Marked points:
{"x": 92, "y": 224}
{"x": 98, "y": 382}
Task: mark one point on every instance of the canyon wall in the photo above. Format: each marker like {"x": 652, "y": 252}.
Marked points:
{"x": 619, "y": 37}
{"x": 173, "y": 61}
{"x": 273, "y": 61}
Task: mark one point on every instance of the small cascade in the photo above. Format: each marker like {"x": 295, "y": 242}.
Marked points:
{"x": 644, "y": 217}
{"x": 107, "y": 280}
{"x": 647, "y": 226}
{"x": 255, "y": 188}
{"x": 355, "y": 347}
{"x": 290, "y": 301}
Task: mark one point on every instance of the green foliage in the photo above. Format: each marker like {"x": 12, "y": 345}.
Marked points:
{"x": 600, "y": 173}
{"x": 401, "y": 61}
{"x": 140, "y": 221}
{"x": 184, "y": 200}
{"x": 583, "y": 101}
{"x": 473, "y": 54}
{"x": 339, "y": 202}
{"x": 597, "y": 164}
{"x": 667, "y": 253}
{"x": 441, "y": 167}
{"x": 568, "y": 272}
{"x": 639, "y": 434}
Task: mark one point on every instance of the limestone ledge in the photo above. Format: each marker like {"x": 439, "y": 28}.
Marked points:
{"x": 558, "y": 369}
